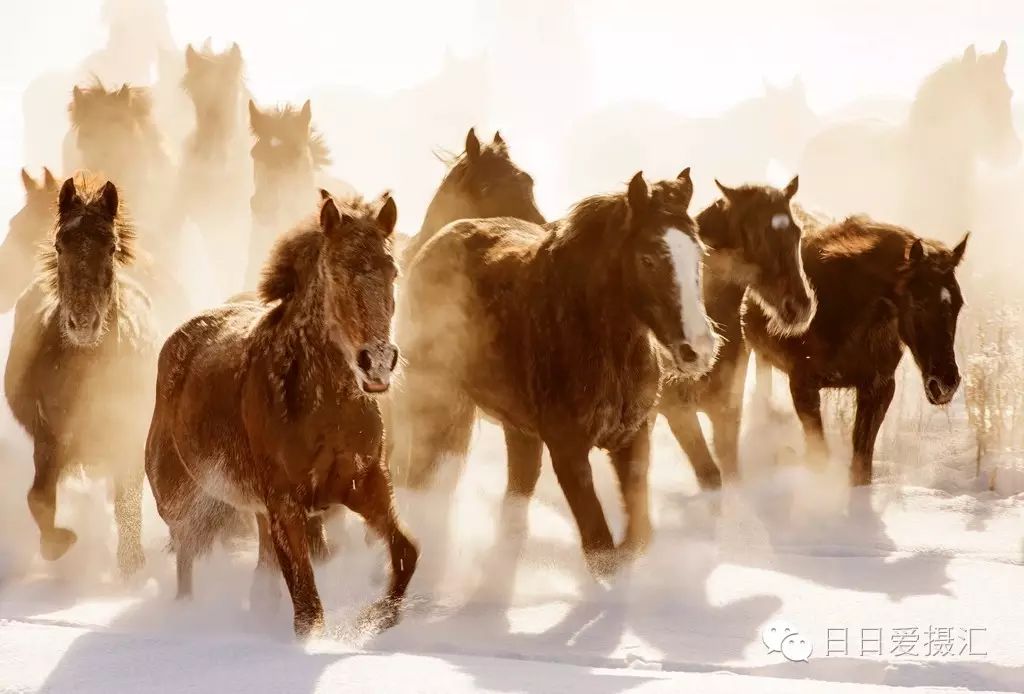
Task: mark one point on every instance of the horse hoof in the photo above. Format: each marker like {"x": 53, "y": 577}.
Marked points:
{"x": 55, "y": 544}
{"x": 131, "y": 561}
{"x": 603, "y": 564}
{"x": 309, "y": 626}
{"x": 380, "y": 616}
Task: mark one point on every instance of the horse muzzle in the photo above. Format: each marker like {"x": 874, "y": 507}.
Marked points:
{"x": 940, "y": 391}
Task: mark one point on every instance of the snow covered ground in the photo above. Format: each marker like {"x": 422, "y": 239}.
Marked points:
{"x": 925, "y": 580}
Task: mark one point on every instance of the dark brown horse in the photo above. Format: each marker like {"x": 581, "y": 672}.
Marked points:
{"x": 753, "y": 249}
{"x": 80, "y": 370}
{"x": 552, "y": 331}
{"x": 215, "y": 177}
{"x": 879, "y": 287}
{"x": 482, "y": 182}
{"x": 268, "y": 406}
{"x": 26, "y": 232}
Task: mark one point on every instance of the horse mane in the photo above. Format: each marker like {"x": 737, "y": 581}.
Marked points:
{"x": 318, "y": 149}
{"x": 293, "y": 259}
{"x": 89, "y": 188}
{"x": 590, "y": 214}
{"x": 140, "y": 100}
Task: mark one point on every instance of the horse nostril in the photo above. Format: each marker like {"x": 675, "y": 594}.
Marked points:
{"x": 789, "y": 308}
{"x": 72, "y": 323}
{"x": 96, "y": 322}
{"x": 394, "y": 359}
{"x": 934, "y": 387}
{"x": 364, "y": 360}
{"x": 687, "y": 354}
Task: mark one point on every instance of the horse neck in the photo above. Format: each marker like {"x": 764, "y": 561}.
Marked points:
{"x": 594, "y": 291}
{"x": 439, "y": 212}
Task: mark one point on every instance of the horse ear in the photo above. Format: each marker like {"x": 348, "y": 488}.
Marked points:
{"x": 330, "y": 218}
{"x": 1000, "y": 54}
{"x": 638, "y": 195}
{"x": 684, "y": 175}
{"x": 124, "y": 93}
{"x": 191, "y": 57}
{"x": 472, "y": 145}
{"x": 729, "y": 193}
{"x": 916, "y": 252}
{"x": 236, "y": 53}
{"x": 109, "y": 198}
{"x": 307, "y": 112}
{"x": 255, "y": 117}
{"x": 324, "y": 195}
{"x": 791, "y": 188}
{"x": 970, "y": 54}
{"x": 498, "y": 140}
{"x": 958, "y": 250}
{"x": 26, "y": 180}
{"x": 76, "y": 96}
{"x": 68, "y": 199}
{"x": 388, "y": 215}
{"x": 49, "y": 182}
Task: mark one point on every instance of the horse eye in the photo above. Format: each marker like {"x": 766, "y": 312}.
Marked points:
{"x": 648, "y": 261}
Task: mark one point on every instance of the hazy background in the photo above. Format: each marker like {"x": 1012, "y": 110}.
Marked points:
{"x": 697, "y": 58}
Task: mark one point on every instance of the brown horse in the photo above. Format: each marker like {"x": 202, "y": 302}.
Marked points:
{"x": 81, "y": 364}
{"x": 26, "y": 231}
{"x": 482, "y": 182}
{"x": 268, "y": 406}
{"x": 879, "y": 287}
{"x": 753, "y": 249}
{"x": 215, "y": 177}
{"x": 551, "y": 330}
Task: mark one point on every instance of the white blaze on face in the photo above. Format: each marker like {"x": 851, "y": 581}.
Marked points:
{"x": 946, "y": 297}
{"x": 780, "y": 221}
{"x": 686, "y": 259}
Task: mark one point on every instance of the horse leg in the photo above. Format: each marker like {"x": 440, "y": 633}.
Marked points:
{"x": 572, "y": 468}
{"x": 631, "y": 463}
{"x": 872, "y": 404}
{"x": 725, "y": 426}
{"x": 183, "y": 559}
{"x": 42, "y": 498}
{"x": 287, "y": 520}
{"x": 265, "y": 592}
{"x": 524, "y": 460}
{"x": 128, "y": 514}
{"x": 374, "y": 500}
{"x": 807, "y": 403}
{"x": 682, "y": 420}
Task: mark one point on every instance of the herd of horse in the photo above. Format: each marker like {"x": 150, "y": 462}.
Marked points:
{"x": 293, "y": 396}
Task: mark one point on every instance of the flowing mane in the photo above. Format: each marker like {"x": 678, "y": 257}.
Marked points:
{"x": 293, "y": 259}
{"x": 89, "y": 187}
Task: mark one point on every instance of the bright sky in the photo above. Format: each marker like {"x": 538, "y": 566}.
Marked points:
{"x": 696, "y": 60}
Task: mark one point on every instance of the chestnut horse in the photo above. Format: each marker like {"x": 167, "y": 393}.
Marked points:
{"x": 879, "y": 287}
{"x": 80, "y": 369}
{"x": 269, "y": 406}
{"x": 753, "y": 250}
{"x": 552, "y": 331}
